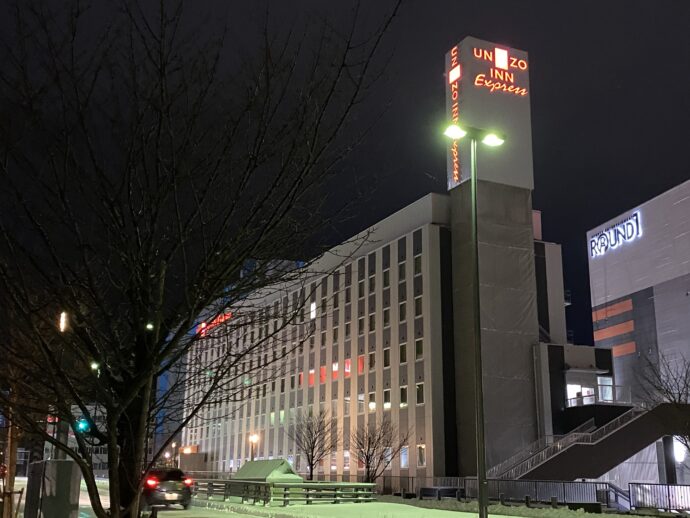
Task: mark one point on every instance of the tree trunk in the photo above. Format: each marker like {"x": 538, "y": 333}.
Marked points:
{"x": 132, "y": 428}
{"x": 11, "y": 460}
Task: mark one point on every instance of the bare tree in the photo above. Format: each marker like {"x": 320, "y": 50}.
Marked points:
{"x": 376, "y": 445}
{"x": 315, "y": 436}
{"x": 667, "y": 380}
{"x": 156, "y": 178}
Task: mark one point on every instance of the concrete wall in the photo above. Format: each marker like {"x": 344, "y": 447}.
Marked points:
{"x": 509, "y": 325}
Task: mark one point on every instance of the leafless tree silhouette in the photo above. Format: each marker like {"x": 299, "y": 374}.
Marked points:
{"x": 376, "y": 445}
{"x": 315, "y": 436}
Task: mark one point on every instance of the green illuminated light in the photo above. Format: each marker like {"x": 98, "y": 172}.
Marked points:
{"x": 491, "y": 139}
{"x": 454, "y": 132}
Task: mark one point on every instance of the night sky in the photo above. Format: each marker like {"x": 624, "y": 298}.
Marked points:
{"x": 610, "y": 95}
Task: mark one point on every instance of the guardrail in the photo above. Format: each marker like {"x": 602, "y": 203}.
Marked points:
{"x": 660, "y": 496}
{"x": 285, "y": 493}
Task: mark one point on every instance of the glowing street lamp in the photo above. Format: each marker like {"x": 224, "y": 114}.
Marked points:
{"x": 492, "y": 139}
{"x": 253, "y": 440}
{"x": 94, "y": 366}
{"x": 63, "y": 322}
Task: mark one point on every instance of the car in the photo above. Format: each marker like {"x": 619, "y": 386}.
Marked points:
{"x": 167, "y": 487}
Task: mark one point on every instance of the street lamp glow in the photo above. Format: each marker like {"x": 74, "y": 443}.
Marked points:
{"x": 167, "y": 454}
{"x": 454, "y": 132}
{"x": 63, "y": 322}
{"x": 173, "y": 445}
{"x": 491, "y": 139}
{"x": 94, "y": 366}
{"x": 253, "y": 438}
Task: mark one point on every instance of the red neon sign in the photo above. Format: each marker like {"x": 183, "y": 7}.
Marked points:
{"x": 501, "y": 75}
{"x": 204, "y": 328}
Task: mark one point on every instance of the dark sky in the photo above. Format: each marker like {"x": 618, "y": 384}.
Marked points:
{"x": 610, "y": 94}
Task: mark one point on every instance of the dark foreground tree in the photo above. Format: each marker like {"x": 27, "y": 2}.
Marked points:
{"x": 667, "y": 380}
{"x": 375, "y": 445}
{"x": 315, "y": 436}
{"x": 151, "y": 173}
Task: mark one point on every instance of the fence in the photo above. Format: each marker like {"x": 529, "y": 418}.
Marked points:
{"x": 660, "y": 496}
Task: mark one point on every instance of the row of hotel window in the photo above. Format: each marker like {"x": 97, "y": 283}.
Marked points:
{"x": 295, "y": 460}
{"x": 297, "y": 381}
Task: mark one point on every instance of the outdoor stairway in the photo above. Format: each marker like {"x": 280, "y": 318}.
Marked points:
{"x": 591, "y": 454}
{"x": 506, "y": 467}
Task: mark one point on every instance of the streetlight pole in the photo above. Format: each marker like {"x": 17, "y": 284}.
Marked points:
{"x": 455, "y": 132}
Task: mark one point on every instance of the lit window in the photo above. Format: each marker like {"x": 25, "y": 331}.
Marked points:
{"x": 403, "y": 353}
{"x": 421, "y": 455}
{"x": 372, "y": 361}
{"x": 387, "y": 399}
{"x": 360, "y": 403}
{"x": 312, "y": 310}
{"x": 347, "y": 367}
{"x": 418, "y": 349}
{"x": 418, "y": 306}
{"x": 386, "y": 358}
{"x": 272, "y": 418}
{"x": 372, "y": 401}
{"x": 404, "y": 457}
{"x": 346, "y": 460}
{"x": 420, "y": 393}
{"x": 403, "y": 397}
{"x": 322, "y": 374}
{"x": 311, "y": 377}
{"x": 300, "y": 380}
{"x": 346, "y": 406}
{"x": 335, "y": 370}
{"x": 282, "y": 416}
{"x": 360, "y": 364}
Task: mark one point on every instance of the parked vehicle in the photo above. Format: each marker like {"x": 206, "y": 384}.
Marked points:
{"x": 167, "y": 487}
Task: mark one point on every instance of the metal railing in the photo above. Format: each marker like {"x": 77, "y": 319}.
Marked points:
{"x": 660, "y": 496}
{"x": 603, "y": 395}
{"x": 570, "y": 439}
{"x": 534, "y": 448}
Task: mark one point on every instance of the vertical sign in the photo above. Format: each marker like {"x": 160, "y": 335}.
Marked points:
{"x": 487, "y": 87}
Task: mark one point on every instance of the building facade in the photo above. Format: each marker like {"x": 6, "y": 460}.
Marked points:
{"x": 374, "y": 339}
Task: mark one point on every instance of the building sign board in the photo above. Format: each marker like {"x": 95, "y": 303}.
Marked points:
{"x": 487, "y": 87}
{"x": 616, "y": 235}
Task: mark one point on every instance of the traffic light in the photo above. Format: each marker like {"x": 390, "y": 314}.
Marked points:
{"x": 83, "y": 425}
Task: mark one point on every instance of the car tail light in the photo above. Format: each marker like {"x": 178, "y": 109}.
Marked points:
{"x": 188, "y": 482}
{"x": 152, "y": 482}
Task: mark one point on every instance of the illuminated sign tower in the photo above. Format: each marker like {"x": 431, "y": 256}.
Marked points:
{"x": 487, "y": 86}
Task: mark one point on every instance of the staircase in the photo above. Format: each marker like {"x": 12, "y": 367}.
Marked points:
{"x": 582, "y": 454}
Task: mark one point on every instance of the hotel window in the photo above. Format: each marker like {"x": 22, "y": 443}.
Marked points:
{"x": 372, "y": 361}
{"x": 403, "y": 397}
{"x": 312, "y": 310}
{"x": 386, "y": 317}
{"x": 402, "y": 314}
{"x": 386, "y": 358}
{"x": 372, "y": 322}
{"x": 334, "y": 373}
{"x": 420, "y": 393}
{"x": 334, "y": 408}
{"x": 386, "y": 278}
{"x": 372, "y": 401}
{"x": 418, "y": 349}
{"x": 335, "y": 301}
{"x": 292, "y": 382}
{"x": 347, "y": 295}
{"x": 360, "y": 326}
{"x": 401, "y": 272}
{"x": 418, "y": 306}
{"x": 335, "y": 335}
{"x": 322, "y": 374}
{"x": 311, "y": 377}
{"x": 418, "y": 265}
{"x": 360, "y": 289}
{"x": 346, "y": 406}
{"x": 360, "y": 403}
{"x": 346, "y": 460}
{"x": 404, "y": 457}
{"x": 282, "y": 385}
{"x": 347, "y": 367}
{"x": 347, "y": 330}
{"x": 360, "y": 364}
{"x": 324, "y": 306}
{"x": 282, "y": 416}
{"x": 386, "y": 399}
{"x": 421, "y": 455}
{"x": 323, "y": 339}
{"x": 300, "y": 379}
{"x": 372, "y": 284}
{"x": 403, "y": 353}
{"x": 272, "y": 418}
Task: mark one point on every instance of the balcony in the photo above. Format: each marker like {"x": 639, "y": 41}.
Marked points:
{"x": 601, "y": 395}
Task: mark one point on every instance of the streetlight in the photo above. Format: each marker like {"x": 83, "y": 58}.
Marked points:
{"x": 492, "y": 139}
{"x": 253, "y": 440}
{"x": 62, "y": 325}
